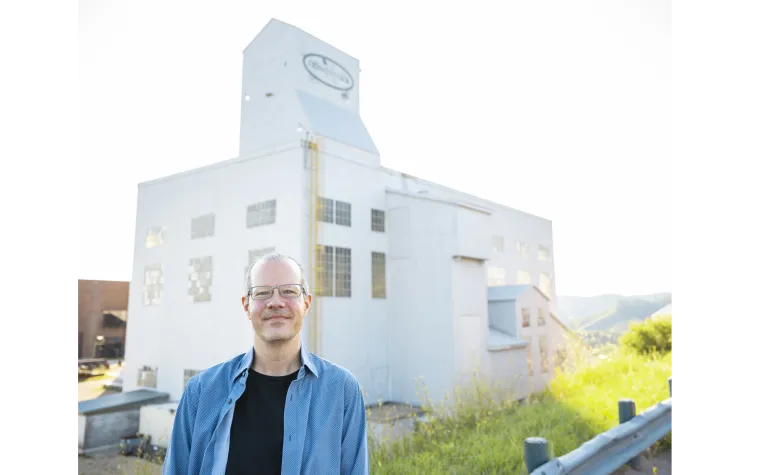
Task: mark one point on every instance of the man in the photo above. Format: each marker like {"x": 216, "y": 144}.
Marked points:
{"x": 276, "y": 408}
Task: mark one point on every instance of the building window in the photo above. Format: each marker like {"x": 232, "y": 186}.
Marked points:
{"x": 378, "y": 275}
{"x": 260, "y": 214}
{"x": 188, "y": 374}
{"x": 203, "y": 226}
{"x": 523, "y": 277}
{"x": 256, "y": 254}
{"x": 343, "y": 272}
{"x": 343, "y": 213}
{"x": 200, "y": 279}
{"x": 543, "y": 354}
{"x": 324, "y": 271}
{"x": 324, "y": 210}
{"x": 529, "y": 356}
{"x": 378, "y": 220}
{"x": 545, "y": 283}
{"x": 496, "y": 276}
{"x": 114, "y": 318}
{"x": 498, "y": 243}
{"x": 542, "y": 320}
{"x": 526, "y": 314}
{"x": 560, "y": 357}
{"x": 155, "y": 236}
{"x": 147, "y": 377}
{"x": 544, "y": 254}
{"x": 522, "y": 249}
{"x": 153, "y": 284}
{"x": 109, "y": 347}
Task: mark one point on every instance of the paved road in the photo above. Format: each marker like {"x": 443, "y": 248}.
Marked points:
{"x": 94, "y": 387}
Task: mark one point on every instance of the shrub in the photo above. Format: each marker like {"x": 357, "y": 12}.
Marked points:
{"x": 654, "y": 335}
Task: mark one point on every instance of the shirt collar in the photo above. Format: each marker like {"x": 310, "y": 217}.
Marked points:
{"x": 247, "y": 360}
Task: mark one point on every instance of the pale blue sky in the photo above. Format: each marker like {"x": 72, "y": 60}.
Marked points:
{"x": 559, "y": 109}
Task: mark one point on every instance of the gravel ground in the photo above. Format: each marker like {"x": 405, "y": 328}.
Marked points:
{"x": 662, "y": 461}
{"x": 112, "y": 463}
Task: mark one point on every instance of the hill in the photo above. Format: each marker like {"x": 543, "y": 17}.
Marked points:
{"x": 609, "y": 312}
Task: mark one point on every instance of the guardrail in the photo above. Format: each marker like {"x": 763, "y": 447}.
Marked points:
{"x": 609, "y": 451}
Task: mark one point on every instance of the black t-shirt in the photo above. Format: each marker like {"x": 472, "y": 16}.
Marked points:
{"x": 256, "y": 436}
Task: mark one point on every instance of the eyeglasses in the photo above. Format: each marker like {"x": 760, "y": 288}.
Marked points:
{"x": 287, "y": 291}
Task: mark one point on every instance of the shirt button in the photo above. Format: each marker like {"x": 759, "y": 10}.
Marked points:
{"x": 229, "y": 402}
{"x": 289, "y": 438}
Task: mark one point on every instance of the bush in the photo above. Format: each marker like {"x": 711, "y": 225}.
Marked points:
{"x": 654, "y": 335}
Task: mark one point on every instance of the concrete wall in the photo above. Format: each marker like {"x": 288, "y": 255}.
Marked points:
{"x": 81, "y": 423}
{"x": 170, "y": 336}
{"x": 470, "y": 319}
{"x": 106, "y": 429}
{"x": 502, "y": 317}
{"x": 156, "y": 420}
{"x": 420, "y": 306}
{"x": 513, "y": 226}
{"x": 551, "y": 331}
{"x": 508, "y": 371}
{"x": 273, "y": 63}
{"x": 510, "y": 224}
{"x": 353, "y": 329}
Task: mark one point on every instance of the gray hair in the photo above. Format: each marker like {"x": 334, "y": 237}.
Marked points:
{"x": 276, "y": 257}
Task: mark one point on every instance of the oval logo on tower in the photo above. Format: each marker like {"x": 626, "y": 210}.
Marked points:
{"x": 328, "y": 72}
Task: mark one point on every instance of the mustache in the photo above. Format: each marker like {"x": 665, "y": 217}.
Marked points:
{"x": 272, "y": 314}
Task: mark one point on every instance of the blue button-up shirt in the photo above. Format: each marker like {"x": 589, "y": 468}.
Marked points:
{"x": 324, "y": 431}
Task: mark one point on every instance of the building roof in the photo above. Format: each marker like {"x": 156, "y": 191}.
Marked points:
{"x": 501, "y": 341}
{"x": 334, "y": 122}
{"x": 510, "y": 293}
{"x": 507, "y": 292}
{"x": 121, "y": 402}
{"x": 437, "y": 199}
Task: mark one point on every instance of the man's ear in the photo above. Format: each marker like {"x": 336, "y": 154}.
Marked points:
{"x": 244, "y": 302}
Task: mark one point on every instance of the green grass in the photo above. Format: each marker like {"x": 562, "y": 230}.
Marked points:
{"x": 486, "y": 435}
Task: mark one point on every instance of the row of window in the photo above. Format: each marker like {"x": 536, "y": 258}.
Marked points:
{"x": 523, "y": 248}
{"x": 540, "y": 321}
{"x": 258, "y": 214}
{"x": 340, "y": 212}
{"x": 497, "y": 277}
{"x": 333, "y": 275}
{"x": 560, "y": 355}
{"x": 147, "y": 377}
{"x": 333, "y": 272}
{"x": 264, "y": 213}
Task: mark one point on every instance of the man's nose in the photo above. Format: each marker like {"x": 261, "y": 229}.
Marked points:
{"x": 275, "y": 300}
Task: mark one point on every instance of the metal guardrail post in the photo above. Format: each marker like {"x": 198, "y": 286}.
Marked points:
{"x": 609, "y": 451}
{"x": 536, "y": 453}
{"x": 628, "y": 410}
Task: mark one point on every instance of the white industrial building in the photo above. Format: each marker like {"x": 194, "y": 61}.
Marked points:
{"x": 411, "y": 280}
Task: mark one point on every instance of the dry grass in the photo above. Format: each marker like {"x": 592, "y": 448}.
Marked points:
{"x": 484, "y": 432}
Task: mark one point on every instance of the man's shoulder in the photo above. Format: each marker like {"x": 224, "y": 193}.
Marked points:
{"x": 333, "y": 373}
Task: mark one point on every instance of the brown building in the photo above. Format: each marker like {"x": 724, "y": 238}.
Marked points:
{"x": 102, "y": 317}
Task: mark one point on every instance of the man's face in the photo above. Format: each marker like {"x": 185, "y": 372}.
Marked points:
{"x": 276, "y": 319}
